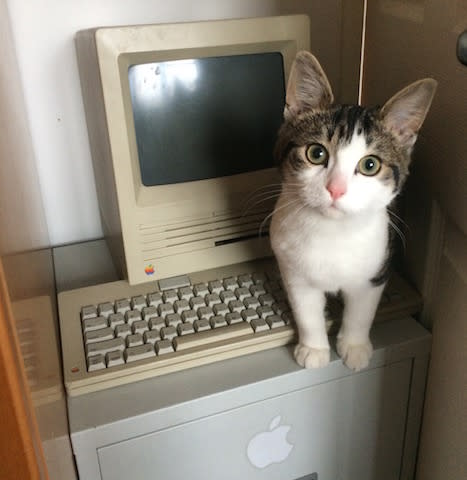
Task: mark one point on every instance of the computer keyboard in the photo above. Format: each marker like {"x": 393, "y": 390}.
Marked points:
{"x": 116, "y": 333}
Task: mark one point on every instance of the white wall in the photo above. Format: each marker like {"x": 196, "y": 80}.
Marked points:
{"x": 43, "y": 36}
{"x": 43, "y": 33}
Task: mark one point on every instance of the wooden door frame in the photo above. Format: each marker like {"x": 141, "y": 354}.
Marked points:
{"x": 21, "y": 454}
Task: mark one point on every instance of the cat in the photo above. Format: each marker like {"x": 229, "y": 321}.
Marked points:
{"x": 341, "y": 167}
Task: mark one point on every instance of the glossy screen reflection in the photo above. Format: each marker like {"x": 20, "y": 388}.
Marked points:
{"x": 206, "y": 118}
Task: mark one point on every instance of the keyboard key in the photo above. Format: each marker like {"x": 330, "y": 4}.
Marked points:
{"x": 272, "y": 286}
{"x": 196, "y": 302}
{"x": 189, "y": 316}
{"x": 275, "y": 321}
{"x": 200, "y": 290}
{"x": 105, "y": 346}
{"x": 242, "y": 293}
{"x": 138, "y": 353}
{"x": 185, "y": 293}
{"x": 96, "y": 362}
{"x": 174, "y": 282}
{"x": 149, "y": 312}
{"x": 266, "y": 299}
{"x": 167, "y": 333}
{"x": 173, "y": 319}
{"x": 116, "y": 319}
{"x": 154, "y": 299}
{"x": 265, "y": 311}
{"x": 140, "y": 326}
{"x": 211, "y": 299}
{"x": 280, "y": 308}
{"x": 89, "y": 311}
{"x": 227, "y": 295}
{"x": 259, "y": 277}
{"x": 169, "y": 296}
{"x": 151, "y": 336}
{"x": 133, "y": 340}
{"x": 138, "y": 302}
{"x": 165, "y": 308}
{"x": 259, "y": 325}
{"x": 122, "y": 330}
{"x": 205, "y": 312}
{"x": 132, "y": 316}
{"x": 105, "y": 309}
{"x": 156, "y": 323}
{"x": 185, "y": 329}
{"x": 257, "y": 290}
{"x": 251, "y": 302}
{"x": 236, "y": 306}
{"x": 245, "y": 280}
{"x": 114, "y": 358}
{"x": 211, "y": 336}
{"x": 218, "y": 321}
{"x": 215, "y": 286}
{"x": 122, "y": 306}
{"x": 280, "y": 296}
{"x": 99, "y": 335}
{"x": 230, "y": 283}
{"x": 249, "y": 314}
{"x": 94, "y": 323}
{"x": 164, "y": 346}
{"x": 233, "y": 317}
{"x": 181, "y": 305}
{"x": 220, "y": 309}
{"x": 201, "y": 325}
{"x": 287, "y": 317}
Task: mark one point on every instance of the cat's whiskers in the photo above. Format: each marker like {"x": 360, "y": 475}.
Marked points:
{"x": 274, "y": 212}
{"x": 264, "y": 194}
{"x": 398, "y": 218}
{"x": 399, "y": 232}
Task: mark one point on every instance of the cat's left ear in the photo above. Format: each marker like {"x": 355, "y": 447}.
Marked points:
{"x": 404, "y": 113}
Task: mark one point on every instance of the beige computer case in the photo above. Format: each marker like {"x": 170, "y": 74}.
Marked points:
{"x": 173, "y": 229}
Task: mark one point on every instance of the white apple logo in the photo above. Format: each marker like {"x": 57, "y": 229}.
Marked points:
{"x": 270, "y": 447}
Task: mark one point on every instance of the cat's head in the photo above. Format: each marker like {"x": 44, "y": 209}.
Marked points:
{"x": 346, "y": 159}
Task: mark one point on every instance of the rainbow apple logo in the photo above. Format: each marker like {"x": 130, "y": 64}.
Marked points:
{"x": 149, "y": 270}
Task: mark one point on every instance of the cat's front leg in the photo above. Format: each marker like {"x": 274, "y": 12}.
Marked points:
{"x": 353, "y": 341}
{"x": 312, "y": 350}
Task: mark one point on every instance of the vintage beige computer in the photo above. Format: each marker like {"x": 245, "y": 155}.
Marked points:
{"x": 182, "y": 120}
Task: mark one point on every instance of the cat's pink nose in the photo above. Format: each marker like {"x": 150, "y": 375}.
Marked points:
{"x": 336, "y": 189}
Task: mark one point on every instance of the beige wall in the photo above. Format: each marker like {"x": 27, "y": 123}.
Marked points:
{"x": 406, "y": 40}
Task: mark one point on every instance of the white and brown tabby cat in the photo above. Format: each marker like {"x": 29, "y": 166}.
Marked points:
{"x": 341, "y": 166}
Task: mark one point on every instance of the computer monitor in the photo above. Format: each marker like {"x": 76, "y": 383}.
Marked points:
{"x": 182, "y": 120}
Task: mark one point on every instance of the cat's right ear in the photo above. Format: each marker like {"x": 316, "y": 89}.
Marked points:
{"x": 308, "y": 87}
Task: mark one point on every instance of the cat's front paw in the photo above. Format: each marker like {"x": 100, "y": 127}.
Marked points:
{"x": 311, "y": 357}
{"x": 355, "y": 356}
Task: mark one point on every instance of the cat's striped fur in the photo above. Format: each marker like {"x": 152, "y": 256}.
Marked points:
{"x": 341, "y": 165}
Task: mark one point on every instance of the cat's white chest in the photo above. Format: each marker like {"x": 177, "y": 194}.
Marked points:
{"x": 330, "y": 254}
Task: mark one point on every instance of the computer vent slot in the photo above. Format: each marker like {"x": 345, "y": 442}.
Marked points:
{"x": 162, "y": 241}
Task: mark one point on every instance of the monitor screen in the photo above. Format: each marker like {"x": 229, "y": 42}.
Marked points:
{"x": 208, "y": 117}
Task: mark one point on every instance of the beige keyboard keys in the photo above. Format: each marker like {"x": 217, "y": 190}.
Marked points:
{"x": 138, "y": 353}
{"x": 211, "y": 336}
{"x": 98, "y": 335}
{"x": 96, "y": 362}
{"x": 114, "y": 358}
{"x": 105, "y": 346}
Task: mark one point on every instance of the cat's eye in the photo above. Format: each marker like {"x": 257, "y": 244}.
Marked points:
{"x": 317, "y": 154}
{"x": 369, "y": 166}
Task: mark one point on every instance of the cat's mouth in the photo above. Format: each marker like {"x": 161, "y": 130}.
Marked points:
{"x": 333, "y": 210}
